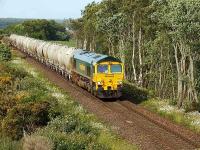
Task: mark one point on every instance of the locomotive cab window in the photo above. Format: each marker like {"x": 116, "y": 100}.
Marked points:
{"x": 102, "y": 68}
{"x": 116, "y": 68}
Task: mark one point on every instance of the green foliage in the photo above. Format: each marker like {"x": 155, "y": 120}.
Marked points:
{"x": 18, "y": 29}
{"x": 172, "y": 113}
{"x": 73, "y": 123}
{"x": 5, "y": 53}
{"x": 69, "y": 134}
{"x": 8, "y": 144}
{"x": 1, "y": 34}
{"x": 7, "y": 101}
{"x": 40, "y": 29}
{"x": 4, "y": 22}
{"x": 135, "y": 93}
{"x": 189, "y": 107}
{"x": 113, "y": 142}
{"x": 24, "y": 104}
{"x": 36, "y": 90}
{"x": 25, "y": 117}
{"x": 73, "y": 142}
{"x": 17, "y": 73}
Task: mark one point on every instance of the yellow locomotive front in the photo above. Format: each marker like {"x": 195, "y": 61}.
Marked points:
{"x": 108, "y": 78}
{"x": 102, "y": 75}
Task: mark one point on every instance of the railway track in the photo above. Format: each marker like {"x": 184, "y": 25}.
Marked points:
{"x": 132, "y": 122}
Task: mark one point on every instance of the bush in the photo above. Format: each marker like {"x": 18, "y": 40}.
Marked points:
{"x": 5, "y": 53}
{"x": 33, "y": 85}
{"x": 191, "y": 106}
{"x": 6, "y": 103}
{"x": 72, "y": 141}
{"x": 17, "y": 73}
{"x": 72, "y": 132}
{"x": 134, "y": 92}
{"x": 25, "y": 103}
{"x": 25, "y": 117}
{"x": 37, "y": 91}
{"x": 73, "y": 123}
{"x": 14, "y": 73}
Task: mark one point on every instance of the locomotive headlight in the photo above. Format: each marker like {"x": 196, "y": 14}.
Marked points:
{"x": 99, "y": 83}
{"x": 120, "y": 82}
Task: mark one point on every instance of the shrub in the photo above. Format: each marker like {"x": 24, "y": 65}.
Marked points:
{"x": 173, "y": 102}
{"x": 6, "y": 103}
{"x": 17, "y": 73}
{"x": 29, "y": 83}
{"x": 72, "y": 132}
{"x": 25, "y": 117}
{"x": 134, "y": 92}
{"x": 191, "y": 106}
{"x": 5, "y": 53}
{"x": 73, "y": 141}
{"x": 55, "y": 109}
{"x": 14, "y": 73}
{"x": 73, "y": 123}
{"x": 37, "y": 91}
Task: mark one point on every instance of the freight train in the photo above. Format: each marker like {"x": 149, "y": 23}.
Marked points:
{"x": 101, "y": 75}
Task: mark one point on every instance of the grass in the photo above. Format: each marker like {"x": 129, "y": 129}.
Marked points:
{"x": 164, "y": 108}
{"x": 190, "y": 120}
{"x": 114, "y": 142}
{"x": 8, "y": 144}
{"x": 82, "y": 127}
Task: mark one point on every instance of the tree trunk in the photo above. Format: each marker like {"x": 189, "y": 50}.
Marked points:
{"x": 140, "y": 79}
{"x": 160, "y": 72}
{"x": 85, "y": 43}
{"x": 121, "y": 50}
{"x": 194, "y": 98}
{"x": 179, "y": 90}
{"x": 134, "y": 49}
{"x": 172, "y": 79}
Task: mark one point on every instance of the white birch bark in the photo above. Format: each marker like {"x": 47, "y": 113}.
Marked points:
{"x": 134, "y": 49}
{"x": 140, "y": 78}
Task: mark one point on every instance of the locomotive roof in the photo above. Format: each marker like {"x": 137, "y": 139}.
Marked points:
{"x": 93, "y": 58}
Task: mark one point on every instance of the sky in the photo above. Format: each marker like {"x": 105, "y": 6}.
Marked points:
{"x": 42, "y": 9}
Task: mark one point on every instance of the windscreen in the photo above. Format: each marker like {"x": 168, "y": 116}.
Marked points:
{"x": 102, "y": 69}
{"x": 116, "y": 68}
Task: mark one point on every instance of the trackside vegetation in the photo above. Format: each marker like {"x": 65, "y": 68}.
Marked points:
{"x": 166, "y": 108}
{"x": 36, "y": 114}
